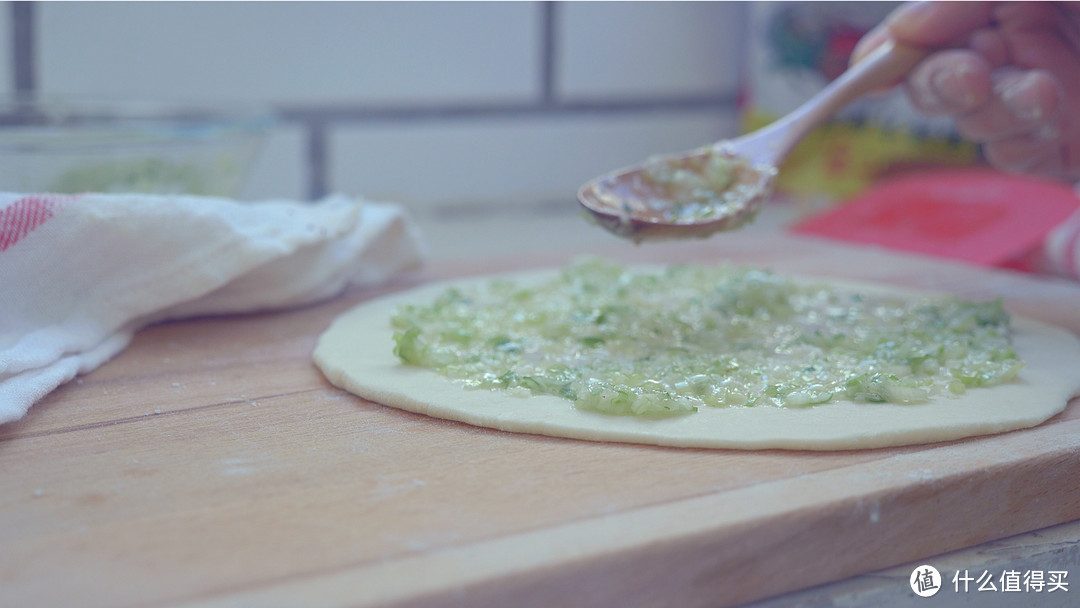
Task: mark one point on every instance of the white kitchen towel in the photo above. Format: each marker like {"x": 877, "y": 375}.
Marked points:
{"x": 79, "y": 275}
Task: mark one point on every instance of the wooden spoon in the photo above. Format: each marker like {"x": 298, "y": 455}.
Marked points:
{"x": 722, "y": 186}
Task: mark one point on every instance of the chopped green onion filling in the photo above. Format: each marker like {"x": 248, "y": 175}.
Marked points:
{"x": 619, "y": 341}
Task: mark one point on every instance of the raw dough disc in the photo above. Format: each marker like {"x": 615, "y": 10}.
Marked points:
{"x": 356, "y": 354}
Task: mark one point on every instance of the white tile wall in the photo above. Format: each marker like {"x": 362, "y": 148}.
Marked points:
{"x": 621, "y": 49}
{"x": 330, "y": 62}
{"x": 510, "y": 160}
{"x": 290, "y": 52}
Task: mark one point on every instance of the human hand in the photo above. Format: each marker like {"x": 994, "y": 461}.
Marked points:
{"x": 1008, "y": 73}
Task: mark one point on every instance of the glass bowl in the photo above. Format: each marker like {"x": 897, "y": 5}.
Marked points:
{"x": 130, "y": 147}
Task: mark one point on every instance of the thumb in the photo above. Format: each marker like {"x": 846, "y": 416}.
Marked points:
{"x": 937, "y": 24}
{"x": 926, "y": 25}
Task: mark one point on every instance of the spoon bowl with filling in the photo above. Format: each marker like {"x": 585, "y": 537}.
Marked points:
{"x": 685, "y": 196}
{"x": 721, "y": 186}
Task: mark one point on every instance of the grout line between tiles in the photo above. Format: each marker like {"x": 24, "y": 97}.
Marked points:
{"x": 24, "y": 61}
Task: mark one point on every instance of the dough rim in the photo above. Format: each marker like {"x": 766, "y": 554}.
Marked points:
{"x": 356, "y": 354}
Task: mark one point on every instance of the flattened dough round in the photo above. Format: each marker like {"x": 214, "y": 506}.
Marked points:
{"x": 356, "y": 354}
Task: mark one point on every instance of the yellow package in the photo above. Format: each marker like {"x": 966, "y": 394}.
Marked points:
{"x": 795, "y": 50}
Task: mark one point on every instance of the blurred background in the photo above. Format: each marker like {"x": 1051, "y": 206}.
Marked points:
{"x": 449, "y": 108}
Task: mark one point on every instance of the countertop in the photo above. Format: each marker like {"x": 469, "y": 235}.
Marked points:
{"x": 92, "y": 511}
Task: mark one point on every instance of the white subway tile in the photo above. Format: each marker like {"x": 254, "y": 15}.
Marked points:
{"x": 290, "y": 52}
{"x": 620, "y": 49}
{"x": 515, "y": 160}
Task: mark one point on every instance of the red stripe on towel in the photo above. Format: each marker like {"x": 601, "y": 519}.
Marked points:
{"x": 24, "y": 215}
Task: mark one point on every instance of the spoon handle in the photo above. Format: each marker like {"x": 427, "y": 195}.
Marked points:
{"x": 882, "y": 67}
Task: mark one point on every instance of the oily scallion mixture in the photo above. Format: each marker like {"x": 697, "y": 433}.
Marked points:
{"x": 703, "y": 187}
{"x": 619, "y": 341}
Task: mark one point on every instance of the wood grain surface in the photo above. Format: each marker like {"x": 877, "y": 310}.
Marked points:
{"x": 211, "y": 464}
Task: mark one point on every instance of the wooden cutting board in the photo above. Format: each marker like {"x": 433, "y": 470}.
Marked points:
{"x": 211, "y": 464}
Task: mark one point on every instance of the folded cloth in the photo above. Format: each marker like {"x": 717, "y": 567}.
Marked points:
{"x": 79, "y": 275}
